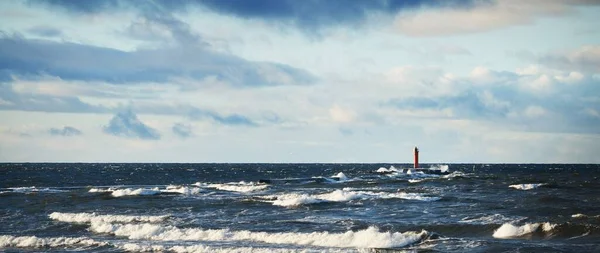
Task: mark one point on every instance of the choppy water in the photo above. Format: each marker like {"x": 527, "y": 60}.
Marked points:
{"x": 306, "y": 208}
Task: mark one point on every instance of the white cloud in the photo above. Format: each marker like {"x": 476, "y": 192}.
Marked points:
{"x": 341, "y": 115}
{"x": 534, "y": 111}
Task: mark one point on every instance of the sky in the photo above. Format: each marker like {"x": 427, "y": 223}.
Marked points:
{"x": 288, "y": 81}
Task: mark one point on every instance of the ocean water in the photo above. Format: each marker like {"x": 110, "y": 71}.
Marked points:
{"x": 298, "y": 208}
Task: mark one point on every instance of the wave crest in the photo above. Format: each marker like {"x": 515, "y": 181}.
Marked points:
{"x": 92, "y": 217}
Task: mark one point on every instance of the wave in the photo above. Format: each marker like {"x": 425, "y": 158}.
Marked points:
{"x": 583, "y": 216}
{"x": 368, "y": 238}
{"x": 508, "y": 230}
{"x": 526, "y": 187}
{"x": 32, "y": 189}
{"x": 490, "y": 219}
{"x": 132, "y": 247}
{"x": 344, "y": 195}
{"x": 243, "y": 187}
{"x": 120, "y": 192}
{"x": 9, "y": 241}
{"x": 92, "y": 217}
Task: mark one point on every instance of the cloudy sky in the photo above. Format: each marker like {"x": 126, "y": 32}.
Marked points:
{"x": 507, "y": 81}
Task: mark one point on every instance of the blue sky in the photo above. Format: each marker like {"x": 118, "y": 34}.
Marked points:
{"x": 503, "y": 81}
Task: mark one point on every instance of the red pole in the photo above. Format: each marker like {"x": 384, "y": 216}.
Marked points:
{"x": 416, "y": 152}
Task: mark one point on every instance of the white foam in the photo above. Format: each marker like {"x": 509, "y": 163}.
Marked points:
{"x": 383, "y": 170}
{"x": 368, "y": 238}
{"x": 412, "y": 181}
{"x": 442, "y": 168}
{"x": 341, "y": 176}
{"x": 205, "y": 248}
{"x": 489, "y": 219}
{"x": 115, "y": 192}
{"x": 135, "y": 192}
{"x": 32, "y": 189}
{"x": 95, "y": 190}
{"x": 92, "y": 217}
{"x": 296, "y": 199}
{"x": 9, "y": 241}
{"x": 242, "y": 186}
{"x": 185, "y": 190}
{"x": 525, "y": 187}
{"x": 508, "y": 230}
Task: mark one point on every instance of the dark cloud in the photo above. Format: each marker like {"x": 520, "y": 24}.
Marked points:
{"x": 71, "y": 61}
{"x": 182, "y": 130}
{"x": 310, "y": 15}
{"x": 232, "y": 119}
{"x": 126, "y": 124}
{"x": 82, "y": 6}
{"x": 65, "y": 131}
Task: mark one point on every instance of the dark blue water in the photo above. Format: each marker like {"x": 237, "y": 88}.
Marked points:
{"x": 299, "y": 208}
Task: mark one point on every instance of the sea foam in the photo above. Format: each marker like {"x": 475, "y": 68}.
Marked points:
{"x": 525, "y": 187}
{"x": 344, "y": 195}
{"x": 9, "y": 241}
{"x": 92, "y": 217}
{"x": 116, "y": 192}
{"x": 508, "y": 230}
{"x": 243, "y": 187}
{"x": 368, "y": 238}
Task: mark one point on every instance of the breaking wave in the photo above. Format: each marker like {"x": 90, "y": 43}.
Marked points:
{"x": 526, "y": 187}
{"x": 9, "y": 241}
{"x": 120, "y": 192}
{"x": 205, "y": 248}
{"x": 344, "y": 195}
{"x": 508, "y": 230}
{"x": 368, "y": 238}
{"x": 92, "y": 217}
{"x": 243, "y": 187}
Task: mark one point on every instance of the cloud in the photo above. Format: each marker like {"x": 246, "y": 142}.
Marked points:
{"x": 126, "y": 124}
{"x": 45, "y": 31}
{"x": 309, "y": 16}
{"x": 65, "y": 131}
{"x": 342, "y": 115}
{"x": 585, "y": 58}
{"x": 71, "y": 61}
{"x": 484, "y": 16}
{"x": 11, "y": 100}
{"x": 231, "y": 119}
{"x": 530, "y": 99}
{"x": 182, "y": 130}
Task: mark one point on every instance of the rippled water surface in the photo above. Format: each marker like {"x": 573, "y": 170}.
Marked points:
{"x": 299, "y": 207}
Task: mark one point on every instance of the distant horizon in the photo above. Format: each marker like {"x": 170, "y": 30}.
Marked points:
{"x": 390, "y": 163}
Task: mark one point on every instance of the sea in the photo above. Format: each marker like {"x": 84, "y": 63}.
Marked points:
{"x": 159, "y": 207}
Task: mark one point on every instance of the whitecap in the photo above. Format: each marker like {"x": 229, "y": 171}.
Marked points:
{"x": 108, "y": 218}
{"x": 525, "y": 187}
{"x": 135, "y": 192}
{"x": 33, "y": 189}
{"x": 344, "y": 195}
{"x": 242, "y": 186}
{"x": 9, "y": 241}
{"x": 508, "y": 230}
{"x": 490, "y": 219}
{"x": 368, "y": 238}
